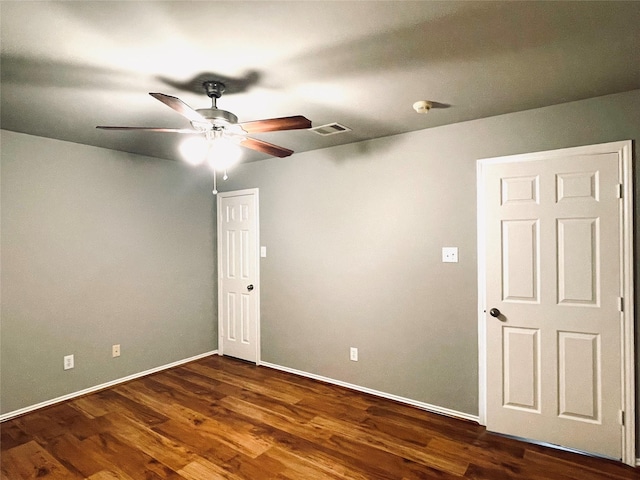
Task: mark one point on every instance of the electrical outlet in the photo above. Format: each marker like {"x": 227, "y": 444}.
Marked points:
{"x": 115, "y": 350}
{"x": 68, "y": 362}
{"x": 450, "y": 254}
{"x": 353, "y": 354}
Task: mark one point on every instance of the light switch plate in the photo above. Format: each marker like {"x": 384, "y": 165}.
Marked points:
{"x": 450, "y": 254}
{"x": 68, "y": 362}
{"x": 263, "y": 251}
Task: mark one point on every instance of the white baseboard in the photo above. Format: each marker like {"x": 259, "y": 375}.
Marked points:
{"x": 102, "y": 386}
{"x": 424, "y": 406}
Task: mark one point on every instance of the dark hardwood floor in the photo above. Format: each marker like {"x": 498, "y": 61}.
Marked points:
{"x": 223, "y": 418}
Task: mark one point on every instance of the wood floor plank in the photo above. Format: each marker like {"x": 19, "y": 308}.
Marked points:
{"x": 250, "y": 385}
{"x": 206, "y": 446}
{"x": 291, "y": 421}
{"x": 115, "y": 401}
{"x": 109, "y": 475}
{"x": 77, "y": 456}
{"x": 298, "y": 437}
{"x": 297, "y": 467}
{"x": 414, "y": 451}
{"x": 204, "y": 470}
{"x": 91, "y": 406}
{"x": 538, "y": 463}
{"x": 225, "y": 429}
{"x": 219, "y": 418}
{"x": 384, "y": 465}
{"x": 190, "y": 385}
{"x": 245, "y": 467}
{"x": 408, "y": 432}
{"x": 30, "y": 460}
{"x": 486, "y": 458}
{"x": 196, "y": 381}
{"x": 322, "y": 454}
{"x": 42, "y": 426}
{"x": 478, "y": 472}
{"x": 130, "y": 459}
{"x": 159, "y": 447}
{"x": 334, "y": 407}
{"x": 432, "y": 424}
{"x": 12, "y": 435}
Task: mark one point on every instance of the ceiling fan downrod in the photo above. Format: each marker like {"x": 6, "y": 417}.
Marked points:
{"x": 214, "y": 90}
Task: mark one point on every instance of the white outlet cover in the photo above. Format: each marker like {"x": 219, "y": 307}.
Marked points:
{"x": 68, "y": 362}
{"x": 450, "y": 254}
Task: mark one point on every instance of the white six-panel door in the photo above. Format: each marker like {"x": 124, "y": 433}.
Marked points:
{"x": 238, "y": 275}
{"x": 553, "y": 275}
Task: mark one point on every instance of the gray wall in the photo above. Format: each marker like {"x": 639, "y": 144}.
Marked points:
{"x": 99, "y": 247}
{"x": 354, "y": 236}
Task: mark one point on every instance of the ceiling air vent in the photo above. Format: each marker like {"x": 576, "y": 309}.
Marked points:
{"x": 330, "y": 129}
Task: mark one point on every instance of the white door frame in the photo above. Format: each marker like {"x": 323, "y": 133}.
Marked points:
{"x": 220, "y": 254}
{"x": 624, "y": 151}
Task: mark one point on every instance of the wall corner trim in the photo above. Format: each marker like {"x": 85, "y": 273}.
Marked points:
{"x": 86, "y": 391}
{"x": 414, "y": 403}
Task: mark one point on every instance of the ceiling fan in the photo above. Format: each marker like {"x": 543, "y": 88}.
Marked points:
{"x": 215, "y": 123}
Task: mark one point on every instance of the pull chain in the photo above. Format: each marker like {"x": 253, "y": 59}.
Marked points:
{"x": 215, "y": 186}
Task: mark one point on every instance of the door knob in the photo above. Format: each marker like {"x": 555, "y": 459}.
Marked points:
{"x": 494, "y": 312}
{"x": 249, "y": 287}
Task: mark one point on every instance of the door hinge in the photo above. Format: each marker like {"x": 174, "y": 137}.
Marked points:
{"x": 621, "y": 417}
{"x": 619, "y": 190}
{"x": 621, "y": 304}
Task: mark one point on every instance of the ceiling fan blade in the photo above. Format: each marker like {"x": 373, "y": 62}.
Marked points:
{"x": 274, "y": 124}
{"x": 179, "y": 106}
{"x": 265, "y": 147}
{"x": 150, "y": 129}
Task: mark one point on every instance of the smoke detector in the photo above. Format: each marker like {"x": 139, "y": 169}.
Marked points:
{"x": 422, "y": 106}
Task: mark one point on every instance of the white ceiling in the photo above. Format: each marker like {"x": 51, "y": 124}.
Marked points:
{"x": 67, "y": 66}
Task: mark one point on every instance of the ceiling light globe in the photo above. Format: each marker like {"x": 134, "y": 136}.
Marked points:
{"x": 194, "y": 150}
{"x": 223, "y": 154}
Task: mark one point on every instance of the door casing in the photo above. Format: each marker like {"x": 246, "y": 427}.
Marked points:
{"x": 624, "y": 151}
{"x": 256, "y": 256}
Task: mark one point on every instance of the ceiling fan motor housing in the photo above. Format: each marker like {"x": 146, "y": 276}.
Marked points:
{"x": 215, "y": 115}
